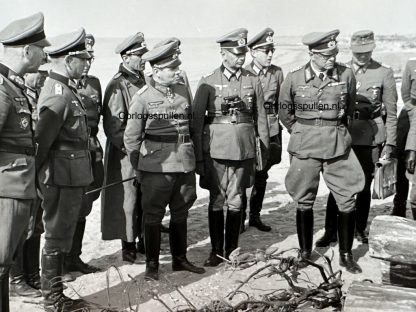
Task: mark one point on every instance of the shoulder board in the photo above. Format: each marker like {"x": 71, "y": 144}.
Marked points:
{"x": 117, "y": 75}
{"x": 344, "y": 64}
{"x": 210, "y": 74}
{"x": 144, "y": 88}
{"x": 58, "y": 89}
{"x": 412, "y": 59}
{"x": 296, "y": 69}
{"x": 385, "y": 65}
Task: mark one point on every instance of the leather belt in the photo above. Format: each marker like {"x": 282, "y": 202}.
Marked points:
{"x": 176, "y": 138}
{"x": 234, "y": 119}
{"x": 319, "y": 122}
{"x": 69, "y": 146}
{"x": 365, "y": 116}
{"x": 26, "y": 150}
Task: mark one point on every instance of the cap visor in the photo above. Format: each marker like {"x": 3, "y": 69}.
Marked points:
{"x": 363, "y": 48}
{"x": 237, "y": 50}
{"x": 264, "y": 45}
{"x": 171, "y": 64}
{"x": 83, "y": 55}
{"x": 330, "y": 51}
{"x": 42, "y": 43}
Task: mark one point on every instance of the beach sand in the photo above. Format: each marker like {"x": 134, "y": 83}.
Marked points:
{"x": 199, "y": 58}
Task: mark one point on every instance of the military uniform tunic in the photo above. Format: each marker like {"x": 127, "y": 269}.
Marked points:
{"x": 375, "y": 86}
{"x": 89, "y": 89}
{"x": 406, "y": 134}
{"x": 314, "y": 111}
{"x": 64, "y": 159}
{"x": 271, "y": 79}
{"x": 120, "y": 203}
{"x": 17, "y": 164}
{"x": 157, "y": 139}
{"x": 226, "y": 143}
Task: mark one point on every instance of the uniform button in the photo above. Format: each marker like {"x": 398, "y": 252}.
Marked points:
{"x": 13, "y": 165}
{"x": 72, "y": 155}
{"x": 320, "y": 112}
{"x": 356, "y": 102}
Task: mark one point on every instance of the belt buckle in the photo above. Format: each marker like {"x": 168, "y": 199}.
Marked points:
{"x": 36, "y": 148}
{"x": 182, "y": 138}
{"x": 318, "y": 122}
{"x": 234, "y": 119}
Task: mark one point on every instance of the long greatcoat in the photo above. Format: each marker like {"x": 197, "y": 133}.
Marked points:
{"x": 120, "y": 203}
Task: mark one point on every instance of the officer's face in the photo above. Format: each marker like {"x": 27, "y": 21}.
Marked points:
{"x": 135, "y": 62}
{"x": 34, "y": 57}
{"x": 323, "y": 62}
{"x": 361, "y": 59}
{"x": 167, "y": 75}
{"x": 263, "y": 57}
{"x": 231, "y": 60}
{"x": 88, "y": 65}
{"x": 75, "y": 66}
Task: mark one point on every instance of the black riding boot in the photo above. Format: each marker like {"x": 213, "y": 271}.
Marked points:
{"x": 330, "y": 235}
{"x": 216, "y": 233}
{"x": 256, "y": 203}
{"x": 243, "y": 212}
{"x": 4, "y": 289}
{"x": 232, "y": 231}
{"x": 31, "y": 254}
{"x": 346, "y": 229}
{"x": 52, "y": 287}
{"x": 413, "y": 207}
{"x": 152, "y": 247}
{"x": 128, "y": 251}
{"x": 73, "y": 262}
{"x": 304, "y": 225}
{"x": 177, "y": 241}
{"x": 18, "y": 285}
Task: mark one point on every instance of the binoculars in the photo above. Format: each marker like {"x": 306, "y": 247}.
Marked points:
{"x": 232, "y": 102}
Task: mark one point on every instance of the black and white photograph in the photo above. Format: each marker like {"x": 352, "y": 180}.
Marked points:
{"x": 208, "y": 155}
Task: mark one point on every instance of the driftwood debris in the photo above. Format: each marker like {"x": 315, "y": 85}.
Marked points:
{"x": 393, "y": 240}
{"x": 368, "y": 297}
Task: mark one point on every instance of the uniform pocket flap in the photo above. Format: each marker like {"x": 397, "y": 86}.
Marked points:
{"x": 71, "y": 154}
{"x": 77, "y": 113}
{"x": 17, "y": 163}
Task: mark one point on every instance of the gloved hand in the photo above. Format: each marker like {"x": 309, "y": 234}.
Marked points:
{"x": 389, "y": 151}
{"x": 410, "y": 161}
{"x": 200, "y": 168}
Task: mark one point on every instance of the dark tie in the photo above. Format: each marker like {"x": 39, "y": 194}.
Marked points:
{"x": 321, "y": 76}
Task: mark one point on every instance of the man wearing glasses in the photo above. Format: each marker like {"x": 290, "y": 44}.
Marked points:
{"x": 63, "y": 160}
{"x": 121, "y": 204}
{"x": 314, "y": 103}
{"x": 227, "y": 106}
{"x": 271, "y": 77}
{"x": 89, "y": 88}
{"x": 23, "y": 41}
{"x": 370, "y": 137}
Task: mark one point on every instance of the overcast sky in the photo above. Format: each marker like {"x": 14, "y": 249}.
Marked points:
{"x": 212, "y": 18}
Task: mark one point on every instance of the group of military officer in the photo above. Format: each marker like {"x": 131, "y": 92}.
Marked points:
{"x": 341, "y": 119}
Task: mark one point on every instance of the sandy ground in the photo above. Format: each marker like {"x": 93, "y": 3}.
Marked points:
{"x": 278, "y": 211}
